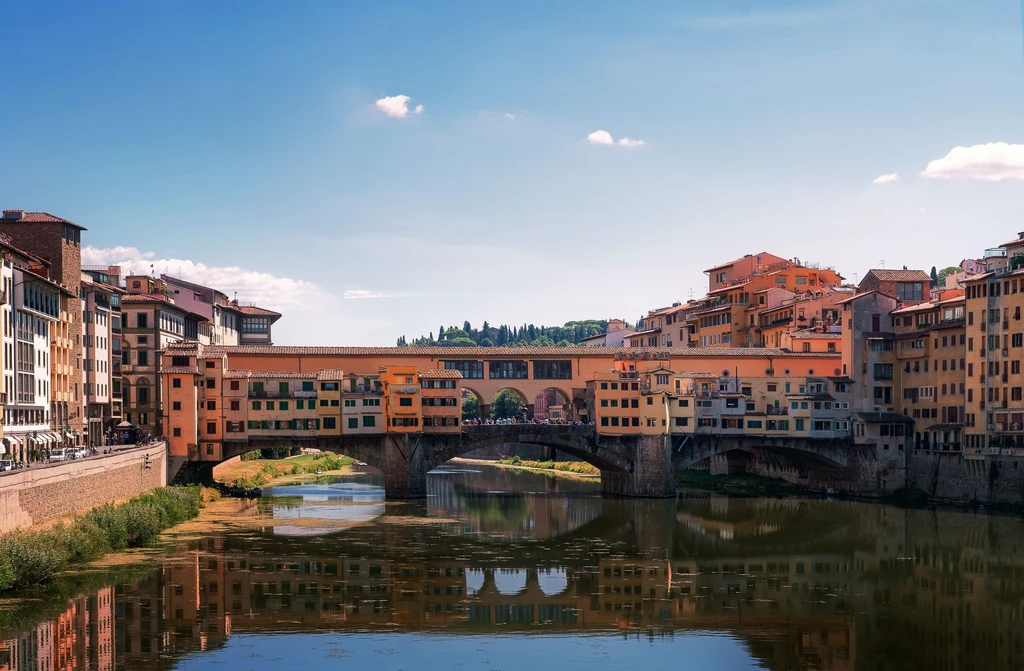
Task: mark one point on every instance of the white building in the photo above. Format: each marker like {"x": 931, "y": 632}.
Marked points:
{"x": 30, "y": 307}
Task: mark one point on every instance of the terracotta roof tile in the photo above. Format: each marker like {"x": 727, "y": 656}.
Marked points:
{"x": 258, "y": 311}
{"x": 240, "y": 374}
{"x": 37, "y": 218}
{"x": 145, "y": 298}
{"x": 815, "y": 335}
{"x": 330, "y": 374}
{"x": 490, "y": 352}
{"x": 281, "y": 375}
{"x": 443, "y": 373}
{"x": 181, "y": 371}
{"x": 893, "y": 275}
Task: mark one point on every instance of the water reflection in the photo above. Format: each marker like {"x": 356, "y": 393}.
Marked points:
{"x": 313, "y": 509}
{"x": 782, "y": 584}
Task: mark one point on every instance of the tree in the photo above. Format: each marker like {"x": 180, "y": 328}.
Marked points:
{"x": 462, "y": 342}
{"x": 486, "y": 342}
{"x": 506, "y": 404}
{"x": 951, "y": 270}
{"x": 466, "y": 327}
{"x": 471, "y": 407}
{"x": 935, "y": 277}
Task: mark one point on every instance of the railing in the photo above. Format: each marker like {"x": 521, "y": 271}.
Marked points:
{"x": 772, "y": 410}
{"x": 305, "y": 394}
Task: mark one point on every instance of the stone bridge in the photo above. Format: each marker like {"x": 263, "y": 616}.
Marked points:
{"x": 629, "y": 465}
{"x": 634, "y": 465}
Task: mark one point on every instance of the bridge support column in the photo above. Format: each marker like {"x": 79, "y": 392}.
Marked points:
{"x": 405, "y": 466}
{"x": 651, "y": 471}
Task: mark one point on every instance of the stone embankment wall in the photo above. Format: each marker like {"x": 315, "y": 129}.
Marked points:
{"x": 42, "y": 494}
{"x": 993, "y": 479}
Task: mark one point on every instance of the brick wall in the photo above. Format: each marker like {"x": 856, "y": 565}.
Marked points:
{"x": 42, "y": 494}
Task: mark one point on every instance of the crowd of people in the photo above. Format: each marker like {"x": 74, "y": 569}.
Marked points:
{"x": 523, "y": 420}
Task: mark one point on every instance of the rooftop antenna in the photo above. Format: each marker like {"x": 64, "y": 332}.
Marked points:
{"x": 881, "y": 264}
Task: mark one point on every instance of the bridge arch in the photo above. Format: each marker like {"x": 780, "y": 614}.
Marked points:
{"x": 567, "y": 439}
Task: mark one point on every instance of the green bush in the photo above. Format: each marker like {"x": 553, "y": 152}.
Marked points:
{"x": 28, "y": 558}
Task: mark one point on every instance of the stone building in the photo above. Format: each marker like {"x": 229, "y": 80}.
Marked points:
{"x": 57, "y": 241}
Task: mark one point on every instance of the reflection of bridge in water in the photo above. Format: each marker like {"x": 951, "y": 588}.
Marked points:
{"x": 876, "y": 595}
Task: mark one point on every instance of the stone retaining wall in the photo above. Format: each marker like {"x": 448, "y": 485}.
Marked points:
{"x": 41, "y": 494}
{"x": 948, "y": 475}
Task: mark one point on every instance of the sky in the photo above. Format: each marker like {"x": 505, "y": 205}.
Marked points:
{"x": 373, "y": 170}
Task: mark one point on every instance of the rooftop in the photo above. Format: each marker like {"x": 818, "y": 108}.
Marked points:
{"x": 490, "y": 352}
{"x": 891, "y": 275}
{"x": 439, "y": 374}
{"x": 23, "y": 217}
{"x": 330, "y": 374}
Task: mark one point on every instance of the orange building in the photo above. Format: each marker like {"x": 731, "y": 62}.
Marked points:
{"x": 441, "y": 401}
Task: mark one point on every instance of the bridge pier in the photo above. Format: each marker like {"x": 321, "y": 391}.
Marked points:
{"x": 651, "y": 473}
{"x": 405, "y": 466}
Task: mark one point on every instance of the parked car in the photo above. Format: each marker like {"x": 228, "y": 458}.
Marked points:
{"x": 59, "y": 454}
{"x": 81, "y": 451}
{"x": 6, "y": 464}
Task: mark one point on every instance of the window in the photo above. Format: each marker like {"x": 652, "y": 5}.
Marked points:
{"x": 471, "y": 370}
{"x": 142, "y": 394}
{"x": 353, "y": 422}
{"x": 508, "y": 370}
{"x": 176, "y": 405}
{"x": 369, "y": 421}
{"x": 142, "y": 320}
{"x": 177, "y": 433}
{"x": 909, "y": 291}
{"x": 330, "y": 423}
{"x": 270, "y": 405}
{"x": 236, "y": 405}
{"x": 405, "y": 401}
{"x": 182, "y": 361}
{"x": 211, "y": 405}
{"x": 552, "y": 370}
{"x": 143, "y": 358}
{"x": 176, "y": 382}
{"x": 211, "y": 427}
{"x": 282, "y": 405}
{"x": 883, "y": 371}
{"x": 257, "y": 405}
{"x": 211, "y": 383}
{"x": 234, "y": 385}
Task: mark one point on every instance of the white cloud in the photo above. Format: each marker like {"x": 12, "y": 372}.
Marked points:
{"x": 510, "y": 116}
{"x": 886, "y": 179}
{"x": 397, "y": 106}
{"x": 264, "y": 289}
{"x": 992, "y": 162}
{"x": 353, "y": 294}
{"x": 604, "y": 137}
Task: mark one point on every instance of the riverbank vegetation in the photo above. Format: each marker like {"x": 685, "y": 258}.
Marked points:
{"x": 31, "y": 557}
{"x": 577, "y": 467}
{"x": 256, "y": 472}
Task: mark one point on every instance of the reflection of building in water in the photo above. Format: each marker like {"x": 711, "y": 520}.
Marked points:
{"x": 900, "y": 590}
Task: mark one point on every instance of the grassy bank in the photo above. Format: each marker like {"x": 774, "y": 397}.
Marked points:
{"x": 258, "y": 472}
{"x": 577, "y": 467}
{"x": 735, "y": 484}
{"x": 28, "y": 558}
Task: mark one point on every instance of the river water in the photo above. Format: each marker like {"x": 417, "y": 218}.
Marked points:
{"x": 516, "y": 570}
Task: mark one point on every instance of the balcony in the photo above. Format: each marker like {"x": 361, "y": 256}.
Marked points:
{"x": 771, "y": 410}
{"x": 305, "y": 394}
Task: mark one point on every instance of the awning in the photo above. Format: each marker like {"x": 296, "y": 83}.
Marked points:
{"x": 68, "y": 435}
{"x": 14, "y": 440}
{"x": 126, "y": 425}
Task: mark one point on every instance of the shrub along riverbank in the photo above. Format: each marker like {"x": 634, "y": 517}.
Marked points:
{"x": 577, "y": 467}
{"x": 31, "y": 557}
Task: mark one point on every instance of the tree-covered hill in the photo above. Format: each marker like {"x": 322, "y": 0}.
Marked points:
{"x": 571, "y": 333}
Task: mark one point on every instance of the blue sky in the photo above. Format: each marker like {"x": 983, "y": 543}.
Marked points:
{"x": 240, "y": 144}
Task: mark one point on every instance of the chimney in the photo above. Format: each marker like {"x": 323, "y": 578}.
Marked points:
{"x": 1020, "y": 236}
{"x": 14, "y": 214}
